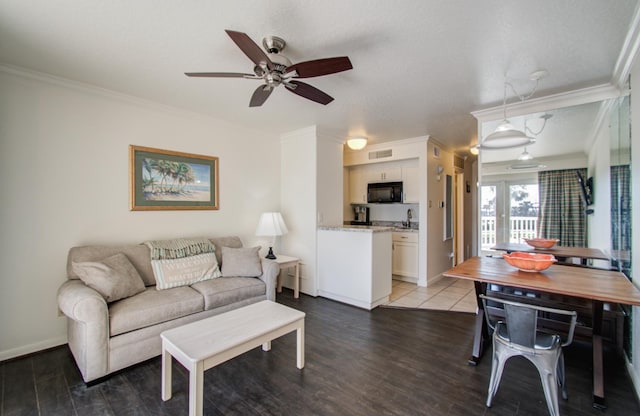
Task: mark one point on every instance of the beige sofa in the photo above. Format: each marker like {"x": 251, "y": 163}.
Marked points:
{"x": 106, "y": 337}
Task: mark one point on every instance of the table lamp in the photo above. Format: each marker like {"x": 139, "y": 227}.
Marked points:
{"x": 272, "y": 225}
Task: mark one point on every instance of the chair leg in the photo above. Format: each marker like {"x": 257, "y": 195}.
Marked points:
{"x": 561, "y": 377}
{"x": 497, "y": 367}
{"x": 550, "y": 386}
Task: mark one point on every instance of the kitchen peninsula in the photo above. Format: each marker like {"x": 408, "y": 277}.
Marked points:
{"x": 354, "y": 264}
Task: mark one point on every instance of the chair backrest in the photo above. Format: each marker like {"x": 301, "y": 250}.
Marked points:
{"x": 522, "y": 320}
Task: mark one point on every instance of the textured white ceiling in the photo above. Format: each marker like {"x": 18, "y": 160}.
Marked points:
{"x": 420, "y": 66}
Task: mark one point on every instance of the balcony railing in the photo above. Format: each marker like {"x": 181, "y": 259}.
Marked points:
{"x": 519, "y": 228}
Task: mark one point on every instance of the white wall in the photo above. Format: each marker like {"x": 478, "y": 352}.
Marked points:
{"x": 299, "y": 202}
{"x": 438, "y": 260}
{"x": 64, "y": 181}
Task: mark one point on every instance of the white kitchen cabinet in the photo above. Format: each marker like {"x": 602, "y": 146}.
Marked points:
{"x": 410, "y": 185}
{"x": 358, "y": 181}
{"x": 405, "y": 254}
{"x": 386, "y": 174}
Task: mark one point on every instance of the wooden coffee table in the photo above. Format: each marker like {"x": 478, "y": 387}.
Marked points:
{"x": 201, "y": 345}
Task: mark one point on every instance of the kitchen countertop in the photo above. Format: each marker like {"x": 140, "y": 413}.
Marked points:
{"x": 357, "y": 228}
{"x": 367, "y": 228}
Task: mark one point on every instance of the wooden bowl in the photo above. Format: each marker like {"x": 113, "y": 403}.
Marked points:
{"x": 529, "y": 262}
{"x": 541, "y": 242}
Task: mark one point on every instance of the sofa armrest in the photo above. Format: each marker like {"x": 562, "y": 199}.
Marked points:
{"x": 270, "y": 271}
{"x": 81, "y": 303}
{"x": 87, "y": 327}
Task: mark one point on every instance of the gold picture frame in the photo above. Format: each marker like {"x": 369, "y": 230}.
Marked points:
{"x": 168, "y": 180}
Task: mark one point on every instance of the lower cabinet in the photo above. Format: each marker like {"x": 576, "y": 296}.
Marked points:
{"x": 405, "y": 254}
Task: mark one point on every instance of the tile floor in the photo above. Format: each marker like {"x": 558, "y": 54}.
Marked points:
{"x": 447, "y": 294}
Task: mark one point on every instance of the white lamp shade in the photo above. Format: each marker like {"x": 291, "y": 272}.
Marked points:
{"x": 271, "y": 224}
{"x": 506, "y": 137}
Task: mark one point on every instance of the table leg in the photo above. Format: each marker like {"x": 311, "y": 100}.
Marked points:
{"x": 300, "y": 346}
{"x": 598, "y": 367}
{"x": 166, "y": 374}
{"x": 279, "y": 284}
{"x": 480, "y": 327}
{"x": 296, "y": 291}
{"x": 196, "y": 379}
{"x": 266, "y": 346}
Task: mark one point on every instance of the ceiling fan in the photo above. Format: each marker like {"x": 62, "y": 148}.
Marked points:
{"x": 275, "y": 69}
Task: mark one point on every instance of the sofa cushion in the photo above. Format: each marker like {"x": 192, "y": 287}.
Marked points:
{"x": 153, "y": 307}
{"x": 241, "y": 262}
{"x": 227, "y": 290}
{"x": 114, "y": 277}
{"x": 185, "y": 271}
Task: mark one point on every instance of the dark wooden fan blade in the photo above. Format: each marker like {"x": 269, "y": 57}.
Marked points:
{"x": 219, "y": 74}
{"x": 320, "y": 67}
{"x": 260, "y": 95}
{"x": 250, "y": 48}
{"x": 309, "y": 92}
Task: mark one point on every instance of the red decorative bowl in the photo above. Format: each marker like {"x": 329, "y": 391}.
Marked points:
{"x": 541, "y": 242}
{"x": 529, "y": 262}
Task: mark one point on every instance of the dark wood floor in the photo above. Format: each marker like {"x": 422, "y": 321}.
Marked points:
{"x": 384, "y": 362}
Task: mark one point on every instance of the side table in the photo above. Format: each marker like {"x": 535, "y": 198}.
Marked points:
{"x": 285, "y": 262}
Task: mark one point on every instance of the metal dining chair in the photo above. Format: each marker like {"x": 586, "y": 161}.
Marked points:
{"x": 516, "y": 332}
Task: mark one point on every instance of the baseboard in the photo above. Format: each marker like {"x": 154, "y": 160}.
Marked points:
{"x": 31, "y": 348}
{"x": 635, "y": 378}
{"x": 434, "y": 279}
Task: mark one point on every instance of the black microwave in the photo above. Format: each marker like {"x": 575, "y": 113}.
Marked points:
{"x": 384, "y": 193}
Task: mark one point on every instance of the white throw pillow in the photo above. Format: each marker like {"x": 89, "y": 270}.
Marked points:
{"x": 114, "y": 277}
{"x": 185, "y": 271}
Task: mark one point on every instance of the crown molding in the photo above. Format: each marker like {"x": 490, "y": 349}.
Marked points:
{"x": 550, "y": 102}
{"x": 628, "y": 53}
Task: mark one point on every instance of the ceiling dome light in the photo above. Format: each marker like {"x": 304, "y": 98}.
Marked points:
{"x": 357, "y": 143}
{"x": 474, "y": 150}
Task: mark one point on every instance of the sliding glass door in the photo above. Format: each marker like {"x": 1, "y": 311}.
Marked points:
{"x": 509, "y": 212}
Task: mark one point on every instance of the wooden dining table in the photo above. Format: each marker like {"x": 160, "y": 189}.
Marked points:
{"x": 558, "y": 251}
{"x": 597, "y": 285}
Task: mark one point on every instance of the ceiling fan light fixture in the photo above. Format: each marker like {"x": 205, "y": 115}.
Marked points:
{"x": 357, "y": 143}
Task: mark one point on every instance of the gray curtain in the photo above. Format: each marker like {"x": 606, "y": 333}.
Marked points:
{"x": 561, "y": 214}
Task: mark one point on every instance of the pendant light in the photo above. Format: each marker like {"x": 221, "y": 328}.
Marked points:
{"x": 526, "y": 161}
{"x": 506, "y": 136}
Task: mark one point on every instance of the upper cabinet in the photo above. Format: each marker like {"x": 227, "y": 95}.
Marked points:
{"x": 358, "y": 181}
{"x": 361, "y": 176}
{"x": 385, "y": 174}
{"x": 410, "y": 185}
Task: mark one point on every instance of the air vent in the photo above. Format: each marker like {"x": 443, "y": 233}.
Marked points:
{"x": 380, "y": 154}
{"x": 458, "y": 162}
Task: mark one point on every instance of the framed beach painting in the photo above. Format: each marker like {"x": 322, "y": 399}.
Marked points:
{"x": 168, "y": 180}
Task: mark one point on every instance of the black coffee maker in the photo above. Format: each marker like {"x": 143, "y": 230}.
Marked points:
{"x": 361, "y": 215}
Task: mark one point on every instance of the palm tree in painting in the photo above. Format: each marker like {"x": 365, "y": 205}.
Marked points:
{"x": 148, "y": 181}
{"x": 184, "y": 175}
